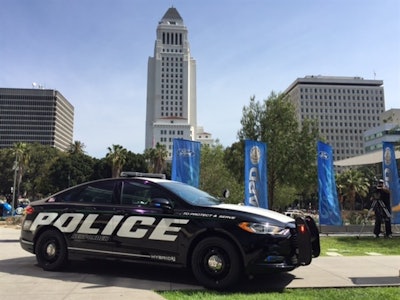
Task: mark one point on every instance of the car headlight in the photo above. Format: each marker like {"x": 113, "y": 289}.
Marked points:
{"x": 264, "y": 228}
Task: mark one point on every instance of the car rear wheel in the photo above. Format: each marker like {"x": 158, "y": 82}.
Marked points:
{"x": 51, "y": 250}
{"x": 216, "y": 263}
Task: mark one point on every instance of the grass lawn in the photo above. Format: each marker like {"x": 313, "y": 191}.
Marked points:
{"x": 351, "y": 246}
{"x": 387, "y": 293}
{"x": 344, "y": 245}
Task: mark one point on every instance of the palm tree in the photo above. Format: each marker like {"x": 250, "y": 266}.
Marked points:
{"x": 156, "y": 158}
{"x": 116, "y": 156}
{"x": 149, "y": 155}
{"x": 353, "y": 183}
{"x": 161, "y": 154}
{"x": 77, "y": 148}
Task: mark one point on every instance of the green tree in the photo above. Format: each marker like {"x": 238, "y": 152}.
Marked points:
{"x": 135, "y": 162}
{"x": 234, "y": 161}
{"x": 69, "y": 170}
{"x": 306, "y": 153}
{"x": 116, "y": 157}
{"x": 7, "y": 159}
{"x": 215, "y": 177}
{"x": 285, "y": 196}
{"x": 290, "y": 145}
{"x": 41, "y": 159}
{"x": 101, "y": 169}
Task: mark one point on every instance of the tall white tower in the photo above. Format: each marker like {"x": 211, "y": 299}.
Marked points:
{"x": 171, "y": 85}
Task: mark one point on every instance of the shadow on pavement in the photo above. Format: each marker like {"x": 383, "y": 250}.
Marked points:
{"x": 100, "y": 273}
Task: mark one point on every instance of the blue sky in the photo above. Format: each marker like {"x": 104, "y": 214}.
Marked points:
{"x": 95, "y": 53}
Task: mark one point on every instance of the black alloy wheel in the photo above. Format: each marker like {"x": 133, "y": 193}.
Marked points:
{"x": 216, "y": 263}
{"x": 51, "y": 250}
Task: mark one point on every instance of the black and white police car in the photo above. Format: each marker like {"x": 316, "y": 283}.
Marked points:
{"x": 154, "y": 220}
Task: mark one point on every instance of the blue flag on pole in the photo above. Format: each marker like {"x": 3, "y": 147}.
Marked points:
{"x": 329, "y": 209}
{"x": 255, "y": 174}
{"x": 186, "y": 162}
{"x": 391, "y": 178}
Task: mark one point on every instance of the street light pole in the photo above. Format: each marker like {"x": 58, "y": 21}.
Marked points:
{"x": 15, "y": 183}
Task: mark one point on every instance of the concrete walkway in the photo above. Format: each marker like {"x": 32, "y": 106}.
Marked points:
{"x": 21, "y": 278}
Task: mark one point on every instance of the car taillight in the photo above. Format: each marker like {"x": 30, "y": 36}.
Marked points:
{"x": 29, "y": 210}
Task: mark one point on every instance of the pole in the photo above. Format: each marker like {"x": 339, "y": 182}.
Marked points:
{"x": 14, "y": 186}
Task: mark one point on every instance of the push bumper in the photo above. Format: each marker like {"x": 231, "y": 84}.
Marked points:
{"x": 307, "y": 239}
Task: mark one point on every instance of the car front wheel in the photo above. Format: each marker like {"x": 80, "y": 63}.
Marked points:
{"x": 216, "y": 263}
{"x": 51, "y": 250}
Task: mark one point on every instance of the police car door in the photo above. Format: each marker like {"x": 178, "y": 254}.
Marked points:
{"x": 88, "y": 212}
{"x": 148, "y": 232}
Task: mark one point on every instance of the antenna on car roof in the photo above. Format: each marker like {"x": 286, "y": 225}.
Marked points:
{"x": 139, "y": 174}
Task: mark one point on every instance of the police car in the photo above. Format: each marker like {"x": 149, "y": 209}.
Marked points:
{"x": 159, "y": 221}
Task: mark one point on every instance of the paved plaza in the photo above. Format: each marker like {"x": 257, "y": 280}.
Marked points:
{"x": 20, "y": 277}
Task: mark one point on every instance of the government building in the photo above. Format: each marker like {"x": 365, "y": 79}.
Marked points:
{"x": 171, "y": 110}
{"x": 35, "y": 116}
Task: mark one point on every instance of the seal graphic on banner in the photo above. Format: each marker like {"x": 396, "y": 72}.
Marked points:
{"x": 255, "y": 155}
{"x": 388, "y": 156}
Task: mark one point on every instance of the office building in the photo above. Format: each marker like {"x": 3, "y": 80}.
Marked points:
{"x": 388, "y": 131}
{"x": 171, "y": 85}
{"x": 391, "y": 116}
{"x": 345, "y": 108}
{"x": 35, "y": 116}
{"x": 373, "y": 138}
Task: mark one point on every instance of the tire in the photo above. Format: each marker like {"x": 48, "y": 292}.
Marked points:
{"x": 51, "y": 250}
{"x": 216, "y": 263}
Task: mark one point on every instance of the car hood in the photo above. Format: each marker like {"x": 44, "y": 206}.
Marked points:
{"x": 257, "y": 211}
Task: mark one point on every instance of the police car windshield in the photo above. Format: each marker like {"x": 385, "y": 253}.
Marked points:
{"x": 190, "y": 194}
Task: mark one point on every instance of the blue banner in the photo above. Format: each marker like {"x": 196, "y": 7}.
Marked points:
{"x": 255, "y": 174}
{"x": 391, "y": 178}
{"x": 186, "y": 162}
{"x": 329, "y": 209}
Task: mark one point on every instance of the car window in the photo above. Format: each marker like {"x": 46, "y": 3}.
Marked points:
{"x": 96, "y": 192}
{"x": 190, "y": 194}
{"x": 138, "y": 193}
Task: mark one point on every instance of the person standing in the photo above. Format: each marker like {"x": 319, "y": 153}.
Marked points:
{"x": 382, "y": 209}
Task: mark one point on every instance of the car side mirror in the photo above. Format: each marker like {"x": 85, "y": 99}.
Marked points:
{"x": 226, "y": 193}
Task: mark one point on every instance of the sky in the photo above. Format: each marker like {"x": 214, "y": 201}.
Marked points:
{"x": 95, "y": 52}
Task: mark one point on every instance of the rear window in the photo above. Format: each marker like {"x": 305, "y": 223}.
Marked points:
{"x": 96, "y": 192}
